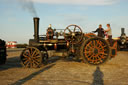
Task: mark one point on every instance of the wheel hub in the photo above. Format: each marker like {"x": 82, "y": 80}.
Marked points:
{"x": 95, "y": 51}
{"x": 73, "y": 34}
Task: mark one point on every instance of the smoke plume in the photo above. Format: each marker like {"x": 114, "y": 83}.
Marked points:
{"x": 28, "y": 5}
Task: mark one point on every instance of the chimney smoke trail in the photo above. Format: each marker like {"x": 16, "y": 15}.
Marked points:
{"x": 28, "y": 5}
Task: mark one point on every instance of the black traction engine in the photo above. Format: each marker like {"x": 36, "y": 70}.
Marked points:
{"x": 70, "y": 42}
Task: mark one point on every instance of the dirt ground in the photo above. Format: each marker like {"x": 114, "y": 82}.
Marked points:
{"x": 63, "y": 72}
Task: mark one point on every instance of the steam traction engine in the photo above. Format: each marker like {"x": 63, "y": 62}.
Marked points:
{"x": 70, "y": 42}
{"x": 2, "y": 52}
{"x": 122, "y": 40}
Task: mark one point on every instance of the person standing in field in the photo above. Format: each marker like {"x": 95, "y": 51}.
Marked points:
{"x": 109, "y": 32}
{"x": 100, "y": 31}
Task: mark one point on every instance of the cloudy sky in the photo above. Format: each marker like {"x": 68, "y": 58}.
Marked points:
{"x": 16, "y": 16}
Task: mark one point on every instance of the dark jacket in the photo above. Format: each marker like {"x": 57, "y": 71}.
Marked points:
{"x": 100, "y": 32}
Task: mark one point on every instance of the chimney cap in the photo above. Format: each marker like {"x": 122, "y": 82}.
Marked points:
{"x": 36, "y": 18}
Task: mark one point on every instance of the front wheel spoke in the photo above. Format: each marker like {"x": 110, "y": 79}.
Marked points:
{"x": 27, "y": 65}
{"x": 36, "y": 59}
{"x": 29, "y": 52}
{"x": 36, "y": 54}
{"x": 25, "y": 55}
{"x": 36, "y": 62}
{"x": 33, "y": 53}
{"x": 26, "y": 61}
{"x": 25, "y": 58}
{"x": 32, "y": 63}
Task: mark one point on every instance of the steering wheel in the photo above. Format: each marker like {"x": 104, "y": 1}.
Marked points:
{"x": 73, "y": 34}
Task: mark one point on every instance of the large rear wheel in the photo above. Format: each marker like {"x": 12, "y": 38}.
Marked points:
{"x": 95, "y": 51}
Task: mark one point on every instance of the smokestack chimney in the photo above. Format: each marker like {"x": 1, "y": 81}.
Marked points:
{"x": 122, "y": 31}
{"x": 36, "y": 28}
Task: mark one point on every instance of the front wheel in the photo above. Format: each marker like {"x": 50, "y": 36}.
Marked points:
{"x": 31, "y": 57}
{"x": 95, "y": 51}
